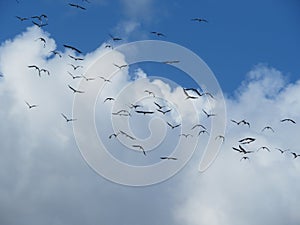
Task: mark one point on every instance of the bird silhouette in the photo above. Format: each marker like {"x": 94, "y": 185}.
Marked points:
{"x": 267, "y": 128}
{"x": 74, "y": 90}
{"x": 264, "y": 148}
{"x": 144, "y": 112}
{"x": 244, "y": 158}
{"x": 202, "y": 132}
{"x": 164, "y": 111}
{"x": 75, "y": 67}
{"x": 56, "y": 53}
{"x": 76, "y": 58}
{"x": 198, "y": 125}
{"x": 120, "y": 66}
{"x": 288, "y": 120}
{"x": 113, "y": 135}
{"x": 186, "y": 135}
{"x": 88, "y": 78}
{"x": 282, "y": 151}
{"x": 68, "y": 119}
{"x": 159, "y": 106}
{"x": 173, "y": 126}
{"x": 207, "y": 114}
{"x": 187, "y": 95}
{"x": 150, "y": 93}
{"x": 42, "y": 40}
{"x": 241, "y": 122}
{"x": 105, "y": 80}
{"x": 295, "y": 154}
{"x": 74, "y": 77}
{"x": 159, "y": 34}
{"x": 22, "y": 18}
{"x": 199, "y": 20}
{"x": 77, "y": 6}
{"x": 140, "y": 147}
{"x": 247, "y": 139}
{"x": 40, "y": 25}
{"x": 168, "y": 158}
{"x": 220, "y": 137}
{"x": 171, "y": 61}
{"x": 31, "y": 106}
{"x": 115, "y": 38}
{"x": 109, "y": 99}
{"x": 135, "y": 106}
{"x": 126, "y": 135}
{"x": 72, "y": 48}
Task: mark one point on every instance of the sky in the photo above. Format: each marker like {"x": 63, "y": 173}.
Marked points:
{"x": 251, "y": 47}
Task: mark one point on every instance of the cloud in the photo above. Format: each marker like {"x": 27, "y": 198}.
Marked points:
{"x": 44, "y": 178}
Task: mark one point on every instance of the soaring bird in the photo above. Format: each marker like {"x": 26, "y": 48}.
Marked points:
{"x": 197, "y": 92}
{"x": 241, "y": 122}
{"x": 164, "y": 111}
{"x": 159, "y": 34}
{"x": 187, "y": 94}
{"x": 75, "y": 67}
{"x": 173, "y": 126}
{"x": 114, "y": 135}
{"x": 88, "y": 78}
{"x": 220, "y": 137}
{"x": 77, "y": 6}
{"x": 31, "y": 106}
{"x": 115, "y": 38}
{"x": 46, "y": 71}
{"x": 22, "y": 18}
{"x": 56, "y": 53}
{"x": 202, "y": 132}
{"x": 67, "y": 119}
{"x": 109, "y": 99}
{"x": 74, "y": 77}
{"x": 42, "y": 40}
{"x": 105, "y": 80}
{"x": 186, "y": 135}
{"x": 126, "y": 135}
{"x": 295, "y": 154}
{"x": 75, "y": 58}
{"x": 140, "y": 147}
{"x": 122, "y": 112}
{"x": 41, "y": 17}
{"x": 244, "y": 158}
{"x": 171, "y": 61}
{"x": 144, "y": 112}
{"x": 207, "y": 114}
{"x": 282, "y": 151}
{"x": 199, "y": 20}
{"x": 288, "y": 120}
{"x": 159, "y": 106}
{"x": 242, "y": 150}
{"x": 168, "y": 158}
{"x": 264, "y": 148}
{"x": 198, "y": 125}
{"x": 40, "y": 25}
{"x": 74, "y": 90}
{"x": 73, "y": 48}
{"x": 267, "y": 128}
{"x": 135, "y": 106}
{"x": 120, "y": 66}
{"x": 247, "y": 139}
{"x": 35, "y": 67}
{"x": 150, "y": 93}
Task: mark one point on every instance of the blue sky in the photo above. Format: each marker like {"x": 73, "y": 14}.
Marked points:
{"x": 251, "y": 46}
{"x": 238, "y": 36}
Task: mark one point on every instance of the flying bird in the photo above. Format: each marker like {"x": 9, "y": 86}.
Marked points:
{"x": 120, "y": 66}
{"x": 295, "y": 154}
{"x": 264, "y": 148}
{"x": 168, "y": 158}
{"x": 140, "y": 147}
{"x": 67, "y": 119}
{"x": 127, "y": 135}
{"x": 113, "y": 135}
{"x": 199, "y": 20}
{"x": 202, "y": 132}
{"x": 242, "y": 150}
{"x": 77, "y": 6}
{"x": 135, "y": 106}
{"x": 159, "y": 106}
{"x": 42, "y": 40}
{"x": 73, "y": 48}
{"x": 88, "y": 78}
{"x": 39, "y": 25}
{"x": 244, "y": 158}
{"x": 144, "y": 112}
{"x": 22, "y": 18}
{"x": 197, "y": 92}
{"x": 207, "y": 114}
{"x": 41, "y": 17}
{"x": 247, "y": 139}
{"x": 105, "y": 80}
{"x": 115, "y": 38}
{"x": 220, "y": 137}
{"x": 164, "y": 112}
{"x": 75, "y": 67}
{"x": 288, "y": 120}
{"x": 186, "y": 135}
{"x": 267, "y": 128}
{"x": 159, "y": 34}
{"x": 171, "y": 62}
{"x": 282, "y": 151}
{"x": 188, "y": 96}
{"x": 31, "y": 106}
{"x": 241, "y": 122}
{"x": 122, "y": 112}
{"x": 74, "y": 77}
{"x": 56, "y": 53}
{"x": 45, "y": 71}
{"x": 173, "y": 126}
{"x": 150, "y": 93}
{"x": 109, "y": 99}
{"x": 198, "y": 125}
{"x": 74, "y": 90}
{"x": 35, "y": 67}
{"x": 76, "y": 58}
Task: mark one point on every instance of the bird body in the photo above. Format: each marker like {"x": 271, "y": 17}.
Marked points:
{"x": 173, "y": 126}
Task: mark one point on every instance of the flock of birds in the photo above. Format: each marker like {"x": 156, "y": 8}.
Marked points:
{"x": 190, "y": 93}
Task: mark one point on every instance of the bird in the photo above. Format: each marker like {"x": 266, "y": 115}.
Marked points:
{"x": 42, "y": 40}
{"x": 171, "y": 61}
{"x": 115, "y": 38}
{"x": 108, "y": 46}
{"x": 74, "y": 90}
{"x": 68, "y": 119}
{"x": 75, "y": 58}
{"x": 186, "y": 135}
{"x": 267, "y": 128}
{"x": 264, "y": 148}
{"x": 22, "y": 18}
{"x": 109, "y": 99}
{"x": 295, "y": 154}
{"x": 220, "y": 137}
{"x": 45, "y": 71}
{"x": 135, "y": 106}
{"x": 247, "y": 139}
{"x": 35, "y": 67}
{"x": 168, "y": 158}
{"x": 159, "y": 106}
{"x": 159, "y": 34}
{"x": 173, "y": 126}
{"x": 241, "y": 122}
{"x": 75, "y": 67}
{"x": 121, "y": 112}
{"x": 113, "y": 135}
{"x": 282, "y": 151}
{"x": 56, "y": 53}
{"x": 140, "y": 147}
{"x": 288, "y": 120}
{"x": 74, "y": 77}
{"x": 73, "y": 48}
{"x": 164, "y": 112}
{"x": 208, "y": 115}
{"x": 127, "y": 135}
{"x": 150, "y": 93}
{"x": 187, "y": 95}
{"x": 198, "y": 125}
{"x": 88, "y": 78}
{"x": 31, "y": 106}
{"x": 242, "y": 150}
{"x": 120, "y": 66}
{"x": 77, "y": 6}
{"x": 198, "y": 93}
{"x": 199, "y": 20}
{"x": 202, "y": 132}
{"x": 144, "y": 112}
{"x": 41, "y": 17}
{"x": 244, "y": 158}
{"x": 39, "y": 25}
{"x": 105, "y": 80}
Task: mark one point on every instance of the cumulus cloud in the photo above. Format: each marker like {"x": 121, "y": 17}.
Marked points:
{"x": 45, "y": 180}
